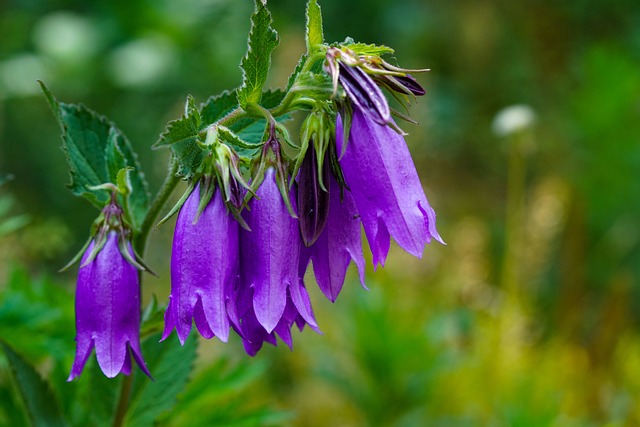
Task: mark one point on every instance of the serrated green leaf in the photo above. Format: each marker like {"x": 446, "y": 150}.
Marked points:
{"x": 182, "y": 134}
{"x": 296, "y": 71}
{"x": 96, "y": 150}
{"x": 97, "y": 395}
{"x": 221, "y": 394}
{"x": 314, "y": 26}
{"x": 263, "y": 39}
{"x": 183, "y": 129}
{"x": 171, "y": 365}
{"x": 40, "y": 402}
{"x": 218, "y": 106}
{"x": 368, "y": 49}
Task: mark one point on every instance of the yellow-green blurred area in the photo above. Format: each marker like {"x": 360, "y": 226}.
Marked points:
{"x": 530, "y": 316}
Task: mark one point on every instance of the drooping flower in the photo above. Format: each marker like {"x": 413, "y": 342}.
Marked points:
{"x": 108, "y": 309}
{"x": 378, "y": 168}
{"x": 253, "y": 334}
{"x": 364, "y": 93}
{"x": 338, "y": 244}
{"x": 270, "y": 254}
{"x": 344, "y": 67}
{"x": 204, "y": 262}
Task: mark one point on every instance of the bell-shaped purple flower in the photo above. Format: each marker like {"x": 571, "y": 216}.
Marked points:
{"x": 337, "y": 245}
{"x": 378, "y": 168}
{"x": 108, "y": 310}
{"x": 204, "y": 262}
{"x": 253, "y": 334}
{"x": 269, "y": 253}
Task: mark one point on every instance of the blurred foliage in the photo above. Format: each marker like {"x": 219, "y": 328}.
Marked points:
{"x": 530, "y": 315}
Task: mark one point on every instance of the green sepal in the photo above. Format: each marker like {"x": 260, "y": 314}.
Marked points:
{"x": 206, "y": 193}
{"x": 96, "y": 151}
{"x": 135, "y": 260}
{"x": 366, "y": 49}
{"x": 177, "y": 206}
{"x": 230, "y": 137}
{"x": 77, "y": 256}
{"x": 263, "y": 39}
{"x": 123, "y": 181}
{"x": 101, "y": 240}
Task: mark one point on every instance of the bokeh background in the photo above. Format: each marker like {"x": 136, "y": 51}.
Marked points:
{"x": 530, "y": 316}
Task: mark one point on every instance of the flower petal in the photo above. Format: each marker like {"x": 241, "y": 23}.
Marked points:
{"x": 339, "y": 243}
{"x": 270, "y": 252}
{"x": 204, "y": 259}
{"x": 378, "y": 169}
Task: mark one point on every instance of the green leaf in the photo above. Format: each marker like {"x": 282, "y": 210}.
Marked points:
{"x": 182, "y": 136}
{"x": 183, "y": 129}
{"x": 318, "y": 85}
{"x": 263, "y": 39}
{"x": 171, "y": 365}
{"x": 224, "y": 394}
{"x": 96, "y": 150}
{"x": 96, "y": 396}
{"x": 216, "y": 107}
{"x": 40, "y": 402}
{"x": 314, "y": 26}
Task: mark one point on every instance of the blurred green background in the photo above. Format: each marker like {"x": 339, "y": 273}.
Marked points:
{"x": 530, "y": 316}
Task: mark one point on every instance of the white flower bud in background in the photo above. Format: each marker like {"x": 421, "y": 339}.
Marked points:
{"x": 513, "y": 119}
{"x": 67, "y": 37}
{"x": 143, "y": 62}
{"x": 18, "y": 75}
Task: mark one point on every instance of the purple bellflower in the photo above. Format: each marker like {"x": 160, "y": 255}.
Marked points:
{"x": 204, "y": 262}
{"x": 337, "y": 245}
{"x": 254, "y": 335}
{"x": 378, "y": 168}
{"x": 108, "y": 309}
{"x": 270, "y": 256}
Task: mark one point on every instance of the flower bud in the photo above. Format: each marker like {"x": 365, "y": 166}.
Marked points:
{"x": 313, "y": 199}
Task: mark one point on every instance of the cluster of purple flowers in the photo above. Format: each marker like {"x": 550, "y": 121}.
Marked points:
{"x": 243, "y": 269}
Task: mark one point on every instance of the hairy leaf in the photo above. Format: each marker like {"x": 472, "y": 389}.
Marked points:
{"x": 171, "y": 365}
{"x": 40, "y": 402}
{"x": 96, "y": 150}
{"x": 223, "y": 395}
{"x": 263, "y": 39}
{"x": 314, "y": 26}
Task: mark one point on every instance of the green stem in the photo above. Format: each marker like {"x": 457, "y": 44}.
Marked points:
{"x": 140, "y": 243}
{"x": 123, "y": 401}
{"x": 158, "y": 203}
